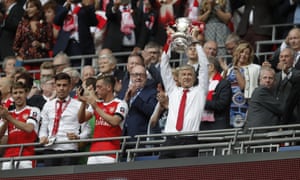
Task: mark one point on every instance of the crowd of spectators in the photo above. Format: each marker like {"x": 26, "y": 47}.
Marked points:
{"x": 204, "y": 92}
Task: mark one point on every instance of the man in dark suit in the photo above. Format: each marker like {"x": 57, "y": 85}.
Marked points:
{"x": 11, "y": 17}
{"x": 217, "y": 106}
{"x": 288, "y": 86}
{"x": 71, "y": 39}
{"x": 141, "y": 99}
{"x": 134, "y": 60}
{"x": 264, "y": 108}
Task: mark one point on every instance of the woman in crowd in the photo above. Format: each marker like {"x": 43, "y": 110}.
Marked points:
{"x": 243, "y": 76}
{"x": 34, "y": 36}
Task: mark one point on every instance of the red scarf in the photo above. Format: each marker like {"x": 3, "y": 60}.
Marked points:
{"x": 212, "y": 86}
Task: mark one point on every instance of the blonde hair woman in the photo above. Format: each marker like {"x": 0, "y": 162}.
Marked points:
{"x": 243, "y": 76}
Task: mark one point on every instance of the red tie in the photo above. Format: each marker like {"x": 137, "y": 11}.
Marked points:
{"x": 57, "y": 117}
{"x": 180, "y": 118}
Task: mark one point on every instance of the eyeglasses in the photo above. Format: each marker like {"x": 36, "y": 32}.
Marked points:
{"x": 138, "y": 74}
{"x": 58, "y": 65}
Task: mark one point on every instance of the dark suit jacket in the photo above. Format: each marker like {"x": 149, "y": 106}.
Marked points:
{"x": 264, "y": 108}
{"x": 37, "y": 101}
{"x": 8, "y": 31}
{"x": 220, "y": 104}
{"x": 140, "y": 111}
{"x": 263, "y": 15}
{"x": 288, "y": 91}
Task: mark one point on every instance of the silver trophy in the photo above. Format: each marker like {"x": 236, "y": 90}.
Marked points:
{"x": 182, "y": 38}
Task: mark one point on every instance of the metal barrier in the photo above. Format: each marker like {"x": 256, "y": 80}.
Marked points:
{"x": 118, "y": 152}
{"x": 229, "y": 141}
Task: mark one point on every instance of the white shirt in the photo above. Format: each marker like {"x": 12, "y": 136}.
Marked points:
{"x": 195, "y": 97}
{"x": 68, "y": 123}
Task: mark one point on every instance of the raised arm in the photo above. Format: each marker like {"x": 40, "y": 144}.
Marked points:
{"x": 165, "y": 69}
{"x": 203, "y": 71}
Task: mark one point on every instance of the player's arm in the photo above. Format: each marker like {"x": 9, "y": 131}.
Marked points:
{"x": 83, "y": 115}
{"x": 117, "y": 118}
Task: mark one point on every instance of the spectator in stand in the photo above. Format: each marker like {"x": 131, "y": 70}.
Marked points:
{"x": 192, "y": 56}
{"x": 150, "y": 20}
{"x": 75, "y": 38}
{"x": 264, "y": 108}
{"x": 184, "y": 118}
{"x": 124, "y": 25}
{"x": 21, "y": 126}
{"x": 107, "y": 64}
{"x": 133, "y": 60}
{"x": 75, "y": 80}
{"x": 34, "y": 36}
{"x": 287, "y": 12}
{"x": 109, "y": 113}
{"x": 47, "y": 93}
{"x": 47, "y": 69}
{"x": 48, "y": 88}
{"x": 8, "y": 66}
{"x": 256, "y": 14}
{"x": 243, "y": 76}
{"x": 49, "y": 9}
{"x": 27, "y": 79}
{"x": 216, "y": 15}
{"x": 60, "y": 123}
{"x": 87, "y": 72}
{"x": 218, "y": 99}
{"x": 287, "y": 86}
{"x": 8, "y": 26}
{"x": 153, "y": 75}
{"x": 292, "y": 41}
{"x": 60, "y": 62}
{"x": 18, "y": 71}
{"x": 152, "y": 51}
{"x": 210, "y": 48}
{"x": 141, "y": 99}
{"x": 232, "y": 41}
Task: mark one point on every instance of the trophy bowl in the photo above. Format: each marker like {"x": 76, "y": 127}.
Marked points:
{"x": 181, "y": 39}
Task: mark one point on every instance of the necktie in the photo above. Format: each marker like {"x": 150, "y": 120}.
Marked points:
{"x": 180, "y": 118}
{"x": 57, "y": 117}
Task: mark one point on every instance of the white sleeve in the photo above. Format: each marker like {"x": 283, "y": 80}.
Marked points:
{"x": 166, "y": 72}
{"x": 122, "y": 109}
{"x": 203, "y": 71}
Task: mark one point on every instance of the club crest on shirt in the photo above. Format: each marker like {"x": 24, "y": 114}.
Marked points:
{"x": 122, "y": 110}
{"x": 111, "y": 110}
{"x": 25, "y": 116}
{"x": 34, "y": 115}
